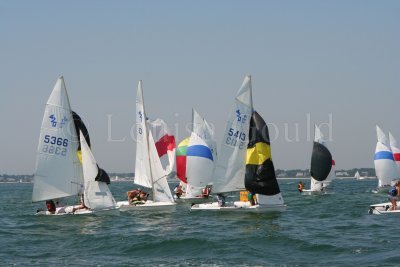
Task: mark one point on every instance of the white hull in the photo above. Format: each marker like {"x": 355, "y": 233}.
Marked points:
{"x": 384, "y": 208}
{"x": 238, "y": 206}
{"x": 195, "y": 200}
{"x": 148, "y": 205}
{"x": 69, "y": 211}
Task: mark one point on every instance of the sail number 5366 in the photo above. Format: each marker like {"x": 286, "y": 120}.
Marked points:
{"x": 54, "y": 145}
{"x": 55, "y": 141}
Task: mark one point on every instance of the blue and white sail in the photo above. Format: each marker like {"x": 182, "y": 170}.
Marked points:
{"x": 385, "y": 167}
{"x": 199, "y": 166}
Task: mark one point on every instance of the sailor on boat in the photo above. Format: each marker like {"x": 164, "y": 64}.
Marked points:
{"x": 300, "y": 186}
{"x": 178, "y": 191}
{"x": 81, "y": 206}
{"x": 394, "y": 195}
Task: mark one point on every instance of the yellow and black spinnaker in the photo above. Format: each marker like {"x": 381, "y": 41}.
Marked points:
{"x": 260, "y": 172}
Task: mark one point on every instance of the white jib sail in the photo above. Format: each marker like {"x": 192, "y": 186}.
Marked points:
{"x": 385, "y": 167}
{"x": 199, "y": 165}
{"x": 396, "y": 151}
{"x": 161, "y": 190}
{"x": 142, "y": 164}
{"x": 97, "y": 194}
{"x": 58, "y": 171}
{"x": 357, "y": 175}
{"x": 230, "y": 168}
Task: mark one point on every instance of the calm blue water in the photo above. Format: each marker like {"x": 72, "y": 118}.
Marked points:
{"x": 332, "y": 229}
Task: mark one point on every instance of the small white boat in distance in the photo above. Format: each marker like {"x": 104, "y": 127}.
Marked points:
{"x": 358, "y": 176}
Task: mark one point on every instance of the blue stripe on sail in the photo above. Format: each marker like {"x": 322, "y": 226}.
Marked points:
{"x": 199, "y": 151}
{"x": 383, "y": 155}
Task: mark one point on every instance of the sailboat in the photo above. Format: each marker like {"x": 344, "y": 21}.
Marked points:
{"x": 59, "y": 172}
{"x": 244, "y": 162}
{"x": 321, "y": 164}
{"x": 358, "y": 176}
{"x": 385, "y": 166}
{"x": 149, "y": 171}
{"x": 195, "y": 159}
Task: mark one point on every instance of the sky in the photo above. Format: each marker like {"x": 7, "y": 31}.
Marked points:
{"x": 331, "y": 63}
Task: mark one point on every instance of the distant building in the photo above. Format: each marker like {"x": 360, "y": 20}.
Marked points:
{"x": 342, "y": 173}
{"x": 300, "y": 174}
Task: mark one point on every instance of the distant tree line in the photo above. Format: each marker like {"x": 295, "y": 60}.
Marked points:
{"x": 369, "y": 172}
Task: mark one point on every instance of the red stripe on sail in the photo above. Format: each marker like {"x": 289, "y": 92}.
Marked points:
{"x": 333, "y": 162}
{"x": 165, "y": 144}
{"x": 396, "y": 156}
{"x": 181, "y": 168}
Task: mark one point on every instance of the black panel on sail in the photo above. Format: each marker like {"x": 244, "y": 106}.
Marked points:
{"x": 260, "y": 172}
{"x": 102, "y": 176}
{"x": 321, "y": 162}
{"x": 80, "y": 126}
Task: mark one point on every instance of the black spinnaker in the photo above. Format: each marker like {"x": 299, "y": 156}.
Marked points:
{"x": 321, "y": 162}
{"x": 260, "y": 172}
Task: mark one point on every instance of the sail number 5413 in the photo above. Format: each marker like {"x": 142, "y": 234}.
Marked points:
{"x": 235, "y": 138}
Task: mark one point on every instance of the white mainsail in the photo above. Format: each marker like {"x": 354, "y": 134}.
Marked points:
{"x": 58, "y": 171}
{"x": 357, "y": 175}
{"x": 385, "y": 167}
{"x": 230, "y": 168}
{"x": 395, "y": 151}
{"x": 161, "y": 190}
{"x": 97, "y": 194}
{"x": 142, "y": 165}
